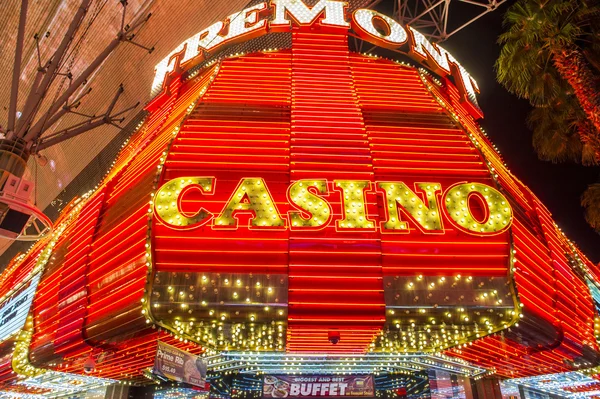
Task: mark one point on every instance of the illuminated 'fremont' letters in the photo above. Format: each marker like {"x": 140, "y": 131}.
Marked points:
{"x": 471, "y": 207}
{"x": 284, "y": 14}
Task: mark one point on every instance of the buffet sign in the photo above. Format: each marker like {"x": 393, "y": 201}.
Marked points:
{"x": 307, "y": 386}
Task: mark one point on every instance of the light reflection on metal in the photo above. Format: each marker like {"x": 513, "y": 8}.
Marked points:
{"x": 372, "y": 363}
{"x": 54, "y": 383}
{"x": 568, "y": 385}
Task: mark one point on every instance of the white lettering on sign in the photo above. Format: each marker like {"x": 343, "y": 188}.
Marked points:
{"x": 435, "y": 55}
{"x": 318, "y": 389}
{"x": 443, "y": 63}
{"x": 295, "y": 390}
{"x": 304, "y": 15}
{"x": 363, "y": 24}
{"x": 330, "y": 13}
{"x": 14, "y": 310}
{"x": 467, "y": 85}
{"x": 241, "y": 25}
{"x": 317, "y": 386}
{"x": 165, "y": 355}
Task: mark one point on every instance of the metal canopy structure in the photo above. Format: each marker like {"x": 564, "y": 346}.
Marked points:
{"x": 47, "y": 22}
{"x": 251, "y": 363}
{"x": 440, "y": 19}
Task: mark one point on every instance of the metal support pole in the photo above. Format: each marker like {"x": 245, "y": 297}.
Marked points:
{"x": 67, "y": 134}
{"x": 37, "y": 129}
{"x": 427, "y": 10}
{"x": 66, "y": 109}
{"x": 14, "y": 89}
{"x": 37, "y": 94}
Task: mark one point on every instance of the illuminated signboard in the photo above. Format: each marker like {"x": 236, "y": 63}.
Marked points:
{"x": 14, "y": 310}
{"x": 178, "y": 365}
{"x": 311, "y": 386}
{"x": 251, "y": 22}
{"x": 489, "y": 214}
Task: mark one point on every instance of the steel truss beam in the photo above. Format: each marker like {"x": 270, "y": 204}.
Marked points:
{"x": 438, "y": 19}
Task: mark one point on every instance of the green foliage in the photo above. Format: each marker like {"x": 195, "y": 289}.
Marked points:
{"x": 537, "y": 32}
{"x": 555, "y": 136}
{"x": 557, "y": 131}
{"x": 541, "y": 36}
{"x": 590, "y": 200}
{"x": 535, "y": 29}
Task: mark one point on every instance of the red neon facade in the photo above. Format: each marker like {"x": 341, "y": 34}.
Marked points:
{"x": 114, "y": 273}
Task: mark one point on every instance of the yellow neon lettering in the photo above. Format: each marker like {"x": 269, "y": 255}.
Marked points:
{"x": 319, "y": 209}
{"x": 498, "y": 215}
{"x": 251, "y": 195}
{"x": 354, "y": 204}
{"x": 167, "y": 201}
{"x": 426, "y": 215}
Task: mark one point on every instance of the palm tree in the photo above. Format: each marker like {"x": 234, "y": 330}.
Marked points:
{"x": 545, "y": 48}
{"x": 561, "y": 132}
{"x": 590, "y": 200}
{"x": 551, "y": 56}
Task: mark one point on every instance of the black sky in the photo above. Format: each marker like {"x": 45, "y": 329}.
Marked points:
{"x": 559, "y": 186}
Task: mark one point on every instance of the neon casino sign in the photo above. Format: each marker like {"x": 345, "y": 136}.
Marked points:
{"x": 474, "y": 208}
{"x": 280, "y": 15}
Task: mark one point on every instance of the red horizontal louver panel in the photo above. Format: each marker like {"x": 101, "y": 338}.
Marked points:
{"x": 335, "y": 278}
{"x": 73, "y": 290}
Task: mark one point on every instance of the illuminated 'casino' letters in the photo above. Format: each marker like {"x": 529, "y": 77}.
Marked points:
{"x": 355, "y": 207}
{"x": 319, "y": 210}
{"x": 398, "y": 195}
{"x": 167, "y": 201}
{"x": 474, "y": 208}
{"x": 458, "y": 201}
{"x": 251, "y": 195}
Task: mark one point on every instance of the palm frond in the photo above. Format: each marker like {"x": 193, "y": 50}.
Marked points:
{"x": 535, "y": 30}
{"x": 590, "y": 200}
{"x": 555, "y": 135}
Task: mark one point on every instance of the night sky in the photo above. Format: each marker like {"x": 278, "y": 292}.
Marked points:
{"x": 559, "y": 186}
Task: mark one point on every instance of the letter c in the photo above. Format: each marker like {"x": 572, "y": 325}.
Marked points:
{"x": 167, "y": 202}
